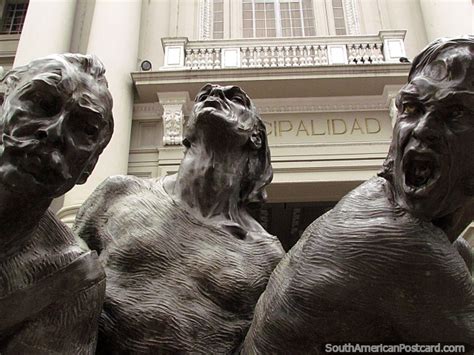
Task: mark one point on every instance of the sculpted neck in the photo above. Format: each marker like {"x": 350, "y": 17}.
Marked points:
{"x": 209, "y": 181}
{"x": 454, "y": 224}
{"x": 19, "y": 217}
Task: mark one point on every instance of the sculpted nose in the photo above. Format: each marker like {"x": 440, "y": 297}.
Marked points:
{"x": 51, "y": 134}
{"x": 427, "y": 128}
{"x": 217, "y": 92}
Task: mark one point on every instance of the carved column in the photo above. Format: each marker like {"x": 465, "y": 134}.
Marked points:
{"x": 206, "y": 18}
{"x": 174, "y": 106}
{"x": 47, "y": 30}
{"x": 114, "y": 39}
{"x": 392, "y": 109}
{"x": 390, "y": 93}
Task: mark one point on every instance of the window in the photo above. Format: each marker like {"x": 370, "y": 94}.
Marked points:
{"x": 218, "y": 19}
{"x": 277, "y": 18}
{"x": 13, "y": 17}
{"x": 339, "y": 18}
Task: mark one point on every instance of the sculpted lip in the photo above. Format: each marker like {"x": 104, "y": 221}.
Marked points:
{"x": 420, "y": 171}
{"x": 45, "y": 170}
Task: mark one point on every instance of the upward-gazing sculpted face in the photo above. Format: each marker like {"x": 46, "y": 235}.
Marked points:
{"x": 54, "y": 122}
{"x": 434, "y": 136}
{"x": 226, "y": 107}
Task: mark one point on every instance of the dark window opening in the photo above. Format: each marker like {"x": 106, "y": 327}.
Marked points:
{"x": 13, "y": 18}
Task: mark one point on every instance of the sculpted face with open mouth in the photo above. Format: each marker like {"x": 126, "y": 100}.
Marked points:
{"x": 421, "y": 170}
{"x": 433, "y": 137}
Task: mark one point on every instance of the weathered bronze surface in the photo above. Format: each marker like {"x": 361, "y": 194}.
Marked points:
{"x": 56, "y": 121}
{"x": 185, "y": 262}
{"x": 385, "y": 265}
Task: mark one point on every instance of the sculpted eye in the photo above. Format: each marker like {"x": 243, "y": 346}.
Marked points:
{"x": 238, "y": 99}
{"x": 44, "y": 104}
{"x": 91, "y": 130}
{"x": 202, "y": 97}
{"x": 84, "y": 126}
{"x": 410, "y": 108}
{"x": 458, "y": 118}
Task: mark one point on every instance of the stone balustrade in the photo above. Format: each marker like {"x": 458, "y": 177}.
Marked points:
{"x": 182, "y": 54}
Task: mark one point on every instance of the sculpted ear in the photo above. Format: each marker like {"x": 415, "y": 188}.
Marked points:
{"x": 256, "y": 140}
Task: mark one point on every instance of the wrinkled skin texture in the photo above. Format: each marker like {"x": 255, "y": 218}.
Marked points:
{"x": 56, "y": 120}
{"x": 433, "y": 137}
{"x": 185, "y": 262}
{"x": 54, "y": 128}
{"x": 385, "y": 265}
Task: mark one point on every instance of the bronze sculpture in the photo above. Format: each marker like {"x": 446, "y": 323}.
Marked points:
{"x": 185, "y": 262}
{"x": 385, "y": 265}
{"x": 56, "y": 121}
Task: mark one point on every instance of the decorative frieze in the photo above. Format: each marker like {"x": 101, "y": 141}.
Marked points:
{"x": 147, "y": 111}
{"x": 340, "y": 107}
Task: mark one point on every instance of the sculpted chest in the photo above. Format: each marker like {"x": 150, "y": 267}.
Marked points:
{"x": 168, "y": 247}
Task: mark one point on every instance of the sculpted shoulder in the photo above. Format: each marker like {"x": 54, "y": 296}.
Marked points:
{"x": 366, "y": 236}
{"x": 116, "y": 193}
{"x": 368, "y": 213}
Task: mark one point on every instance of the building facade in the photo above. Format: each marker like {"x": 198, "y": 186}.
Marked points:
{"x": 323, "y": 75}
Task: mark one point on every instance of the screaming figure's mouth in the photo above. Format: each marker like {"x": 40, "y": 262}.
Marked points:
{"x": 421, "y": 171}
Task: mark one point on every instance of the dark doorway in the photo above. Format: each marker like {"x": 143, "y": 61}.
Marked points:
{"x": 289, "y": 220}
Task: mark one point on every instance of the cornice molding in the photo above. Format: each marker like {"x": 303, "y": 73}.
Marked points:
{"x": 325, "y": 104}
{"x": 342, "y": 107}
{"x": 147, "y": 111}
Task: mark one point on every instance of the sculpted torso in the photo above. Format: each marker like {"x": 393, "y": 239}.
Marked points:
{"x": 40, "y": 295}
{"x": 392, "y": 278}
{"x": 185, "y": 262}
{"x": 386, "y": 264}
{"x": 56, "y": 120}
{"x": 175, "y": 284}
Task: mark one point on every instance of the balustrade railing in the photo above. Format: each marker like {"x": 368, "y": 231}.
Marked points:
{"x": 181, "y": 54}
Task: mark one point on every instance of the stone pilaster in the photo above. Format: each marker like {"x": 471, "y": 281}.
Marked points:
{"x": 446, "y": 18}
{"x": 114, "y": 38}
{"x": 47, "y": 30}
{"x": 390, "y": 93}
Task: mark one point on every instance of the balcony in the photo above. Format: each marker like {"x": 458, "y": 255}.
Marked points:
{"x": 386, "y": 47}
{"x": 317, "y": 66}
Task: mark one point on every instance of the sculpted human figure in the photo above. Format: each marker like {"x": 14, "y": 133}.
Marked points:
{"x": 384, "y": 265}
{"x": 56, "y": 121}
{"x": 185, "y": 262}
